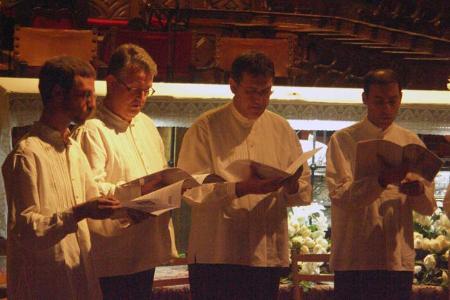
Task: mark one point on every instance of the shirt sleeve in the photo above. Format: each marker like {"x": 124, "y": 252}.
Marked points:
{"x": 29, "y": 224}
{"x": 425, "y": 203}
{"x": 94, "y": 146}
{"x": 304, "y": 194}
{"x": 446, "y": 202}
{"x": 344, "y": 191}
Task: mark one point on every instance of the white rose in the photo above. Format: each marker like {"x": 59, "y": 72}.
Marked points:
{"x": 444, "y": 276}
{"x": 435, "y": 245}
{"x": 297, "y": 241}
{"x": 319, "y": 250}
{"x": 446, "y": 254}
{"x": 304, "y": 249}
{"x": 418, "y": 235}
{"x": 417, "y": 269}
{"x": 309, "y": 242}
{"x": 418, "y": 243}
{"x": 429, "y": 262}
{"x": 426, "y": 244}
{"x": 318, "y": 234}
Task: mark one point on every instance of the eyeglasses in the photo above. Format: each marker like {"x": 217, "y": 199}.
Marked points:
{"x": 136, "y": 91}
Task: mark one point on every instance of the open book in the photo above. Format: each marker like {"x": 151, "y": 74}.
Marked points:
{"x": 166, "y": 191}
{"x": 244, "y": 168}
{"x": 372, "y": 154}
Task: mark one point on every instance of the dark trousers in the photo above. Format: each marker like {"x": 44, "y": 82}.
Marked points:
{"x": 222, "y": 281}
{"x": 376, "y": 285}
{"x": 135, "y": 286}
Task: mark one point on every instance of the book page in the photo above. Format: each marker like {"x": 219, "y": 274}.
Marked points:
{"x": 243, "y": 168}
{"x": 159, "y": 201}
{"x": 373, "y": 155}
{"x": 421, "y": 161}
{"x": 370, "y": 155}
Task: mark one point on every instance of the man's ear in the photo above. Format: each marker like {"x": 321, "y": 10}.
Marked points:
{"x": 233, "y": 85}
{"x": 364, "y": 98}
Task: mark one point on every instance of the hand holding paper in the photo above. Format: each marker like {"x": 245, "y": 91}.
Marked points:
{"x": 259, "y": 178}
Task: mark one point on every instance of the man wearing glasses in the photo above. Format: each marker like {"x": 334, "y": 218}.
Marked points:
{"x": 123, "y": 144}
{"x": 238, "y": 242}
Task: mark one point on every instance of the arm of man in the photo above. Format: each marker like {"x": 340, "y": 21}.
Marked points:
{"x": 297, "y": 190}
{"x": 344, "y": 191}
{"x": 39, "y": 227}
{"x": 420, "y": 193}
{"x": 446, "y": 202}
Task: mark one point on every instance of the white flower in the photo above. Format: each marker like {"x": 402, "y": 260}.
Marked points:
{"x": 297, "y": 242}
{"x": 304, "y": 249}
{"x": 429, "y": 262}
{"x": 444, "y": 276}
{"x": 417, "y": 269}
{"x": 418, "y": 243}
{"x": 318, "y": 249}
{"x": 426, "y": 244}
{"x": 446, "y": 254}
{"x": 309, "y": 242}
{"x": 310, "y": 268}
{"x": 435, "y": 245}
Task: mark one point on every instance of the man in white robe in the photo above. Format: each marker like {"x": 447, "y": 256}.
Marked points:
{"x": 372, "y": 250}
{"x": 48, "y": 180}
{"x": 123, "y": 144}
{"x": 238, "y": 242}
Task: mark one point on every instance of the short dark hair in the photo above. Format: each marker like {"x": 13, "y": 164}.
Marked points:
{"x": 131, "y": 56}
{"x": 381, "y": 76}
{"x": 253, "y": 63}
{"x": 61, "y": 71}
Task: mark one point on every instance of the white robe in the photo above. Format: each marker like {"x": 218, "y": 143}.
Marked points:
{"x": 119, "y": 152}
{"x": 371, "y": 226}
{"x": 47, "y": 251}
{"x": 251, "y": 230}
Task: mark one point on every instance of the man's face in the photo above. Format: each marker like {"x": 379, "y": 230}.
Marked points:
{"x": 383, "y": 102}
{"x": 251, "y": 95}
{"x": 80, "y": 102}
{"x": 130, "y": 93}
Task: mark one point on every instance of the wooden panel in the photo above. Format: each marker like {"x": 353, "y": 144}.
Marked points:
{"x": 114, "y": 9}
{"x": 35, "y": 45}
{"x": 279, "y": 50}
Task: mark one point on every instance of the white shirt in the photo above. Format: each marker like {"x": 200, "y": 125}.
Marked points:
{"x": 371, "y": 226}
{"x": 119, "y": 152}
{"x": 47, "y": 251}
{"x": 251, "y": 230}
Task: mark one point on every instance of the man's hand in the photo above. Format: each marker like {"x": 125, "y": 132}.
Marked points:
{"x": 290, "y": 184}
{"x": 97, "y": 209}
{"x": 391, "y": 174}
{"x": 411, "y": 186}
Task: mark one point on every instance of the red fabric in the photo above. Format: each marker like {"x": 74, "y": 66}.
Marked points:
{"x": 43, "y": 22}
{"x": 99, "y": 22}
{"x": 157, "y": 45}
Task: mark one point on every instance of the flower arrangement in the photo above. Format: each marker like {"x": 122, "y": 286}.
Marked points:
{"x": 308, "y": 227}
{"x": 432, "y": 244}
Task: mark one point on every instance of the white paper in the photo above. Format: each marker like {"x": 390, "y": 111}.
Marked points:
{"x": 243, "y": 168}
{"x": 166, "y": 194}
